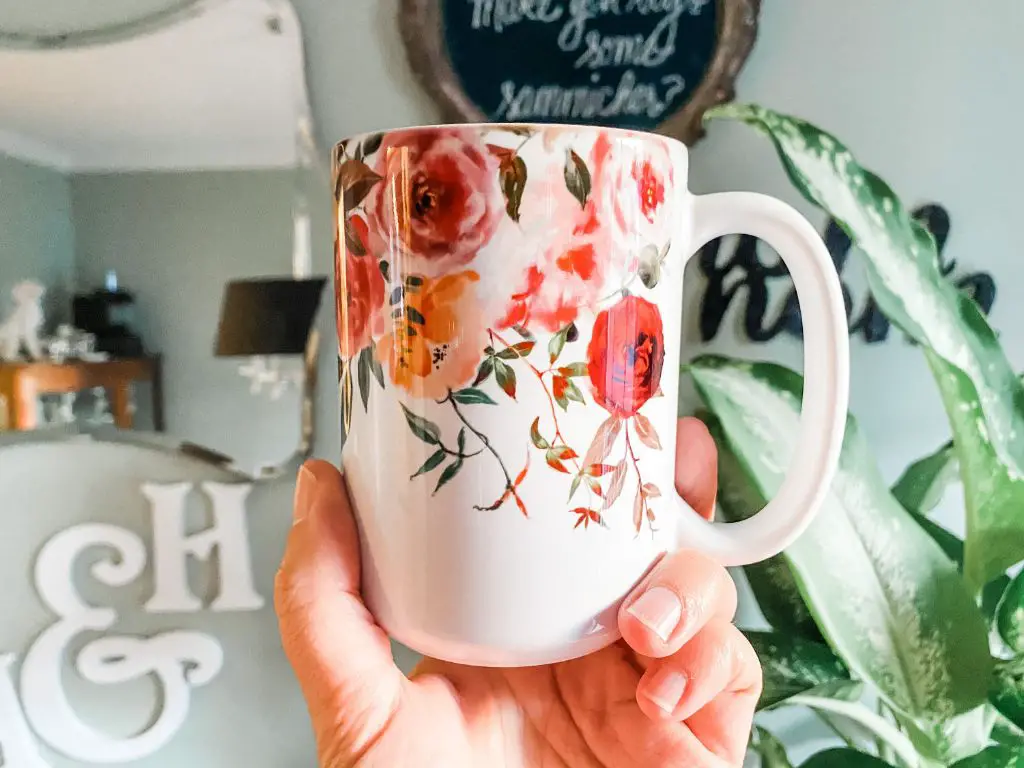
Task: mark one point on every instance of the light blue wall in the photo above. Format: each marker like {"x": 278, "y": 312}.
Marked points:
{"x": 175, "y": 240}
{"x": 36, "y": 233}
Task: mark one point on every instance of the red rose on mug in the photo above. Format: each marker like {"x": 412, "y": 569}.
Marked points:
{"x": 440, "y": 201}
{"x": 625, "y": 355}
{"x": 359, "y": 286}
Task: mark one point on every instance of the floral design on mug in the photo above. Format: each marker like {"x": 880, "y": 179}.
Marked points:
{"x": 416, "y": 208}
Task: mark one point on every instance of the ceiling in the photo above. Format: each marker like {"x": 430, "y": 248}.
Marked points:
{"x": 151, "y": 84}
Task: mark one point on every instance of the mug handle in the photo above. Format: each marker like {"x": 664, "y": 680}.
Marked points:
{"x": 826, "y": 377}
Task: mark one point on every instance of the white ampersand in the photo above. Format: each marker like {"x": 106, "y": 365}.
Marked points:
{"x": 179, "y": 659}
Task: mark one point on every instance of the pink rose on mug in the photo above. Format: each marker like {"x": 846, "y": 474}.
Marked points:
{"x": 634, "y": 193}
{"x": 440, "y": 200}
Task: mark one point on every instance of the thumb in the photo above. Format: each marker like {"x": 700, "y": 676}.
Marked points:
{"x": 341, "y": 657}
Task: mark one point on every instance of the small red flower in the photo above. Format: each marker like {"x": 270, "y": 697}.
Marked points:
{"x": 625, "y": 355}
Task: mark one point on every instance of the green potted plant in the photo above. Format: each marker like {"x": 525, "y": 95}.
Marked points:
{"x": 904, "y": 639}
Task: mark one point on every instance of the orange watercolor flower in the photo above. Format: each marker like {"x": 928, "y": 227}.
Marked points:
{"x": 434, "y": 344}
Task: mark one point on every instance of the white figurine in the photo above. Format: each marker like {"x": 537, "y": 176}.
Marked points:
{"x": 23, "y": 325}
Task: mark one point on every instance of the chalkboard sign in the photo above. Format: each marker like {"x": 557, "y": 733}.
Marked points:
{"x": 653, "y": 65}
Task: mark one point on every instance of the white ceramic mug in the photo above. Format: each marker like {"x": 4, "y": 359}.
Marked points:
{"x": 509, "y": 307}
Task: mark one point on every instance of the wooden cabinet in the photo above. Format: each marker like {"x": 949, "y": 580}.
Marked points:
{"x": 21, "y": 385}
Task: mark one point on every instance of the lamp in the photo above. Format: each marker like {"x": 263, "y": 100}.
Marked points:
{"x": 269, "y": 320}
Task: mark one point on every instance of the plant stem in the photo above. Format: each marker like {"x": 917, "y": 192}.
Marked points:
{"x": 639, "y": 479}
{"x": 458, "y": 455}
{"x": 483, "y": 439}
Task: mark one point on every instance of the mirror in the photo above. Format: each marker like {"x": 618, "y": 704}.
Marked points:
{"x": 157, "y": 182}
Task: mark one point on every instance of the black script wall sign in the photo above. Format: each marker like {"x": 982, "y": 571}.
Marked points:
{"x": 641, "y": 64}
{"x": 745, "y": 274}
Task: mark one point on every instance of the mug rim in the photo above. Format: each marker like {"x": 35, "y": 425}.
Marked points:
{"x": 632, "y": 133}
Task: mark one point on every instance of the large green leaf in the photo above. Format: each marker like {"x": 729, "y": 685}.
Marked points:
{"x": 888, "y": 600}
{"x": 903, "y": 273}
{"x": 922, "y": 485}
{"x": 857, "y": 713}
{"x": 947, "y": 741}
{"x": 843, "y": 758}
{"x": 995, "y": 757}
{"x": 953, "y": 546}
{"x": 993, "y": 493}
{"x": 793, "y": 665}
{"x": 771, "y": 581}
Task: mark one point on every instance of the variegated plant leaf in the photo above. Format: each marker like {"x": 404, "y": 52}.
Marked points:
{"x": 882, "y": 730}
{"x": 1010, "y": 614}
{"x": 995, "y": 757}
{"x": 888, "y": 600}
{"x": 922, "y": 485}
{"x": 792, "y": 665}
{"x": 947, "y": 741}
{"x": 903, "y": 273}
{"x": 1007, "y": 694}
{"x": 993, "y": 495}
{"x": 769, "y": 749}
{"x": 771, "y": 581}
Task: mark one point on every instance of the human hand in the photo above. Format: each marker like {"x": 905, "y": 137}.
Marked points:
{"x": 678, "y": 690}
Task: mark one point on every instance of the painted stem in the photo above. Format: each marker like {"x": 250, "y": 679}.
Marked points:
{"x": 639, "y": 479}
{"x": 483, "y": 439}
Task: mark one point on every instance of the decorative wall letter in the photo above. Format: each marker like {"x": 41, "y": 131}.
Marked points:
{"x": 17, "y": 747}
{"x": 178, "y": 660}
{"x": 172, "y": 547}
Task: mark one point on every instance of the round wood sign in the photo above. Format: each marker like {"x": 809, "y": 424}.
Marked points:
{"x": 654, "y": 65}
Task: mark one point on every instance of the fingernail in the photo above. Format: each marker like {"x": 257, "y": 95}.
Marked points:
{"x": 305, "y": 489}
{"x": 658, "y": 609}
{"x": 666, "y": 689}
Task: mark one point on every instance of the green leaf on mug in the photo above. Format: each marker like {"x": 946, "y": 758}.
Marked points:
{"x": 535, "y": 436}
{"x": 425, "y": 430}
{"x": 364, "y": 365}
{"x": 516, "y": 351}
{"x": 355, "y": 180}
{"x": 512, "y": 179}
{"x": 484, "y": 371}
{"x": 375, "y": 368}
{"x": 574, "y": 369}
{"x": 506, "y": 377}
{"x": 577, "y": 177}
{"x": 435, "y": 458}
{"x": 345, "y": 390}
{"x": 371, "y": 144}
{"x": 449, "y": 472}
{"x": 904, "y": 276}
{"x": 557, "y": 343}
{"x": 472, "y": 396}
{"x": 889, "y": 601}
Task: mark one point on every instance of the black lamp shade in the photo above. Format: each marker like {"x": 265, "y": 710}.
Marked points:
{"x": 268, "y": 316}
